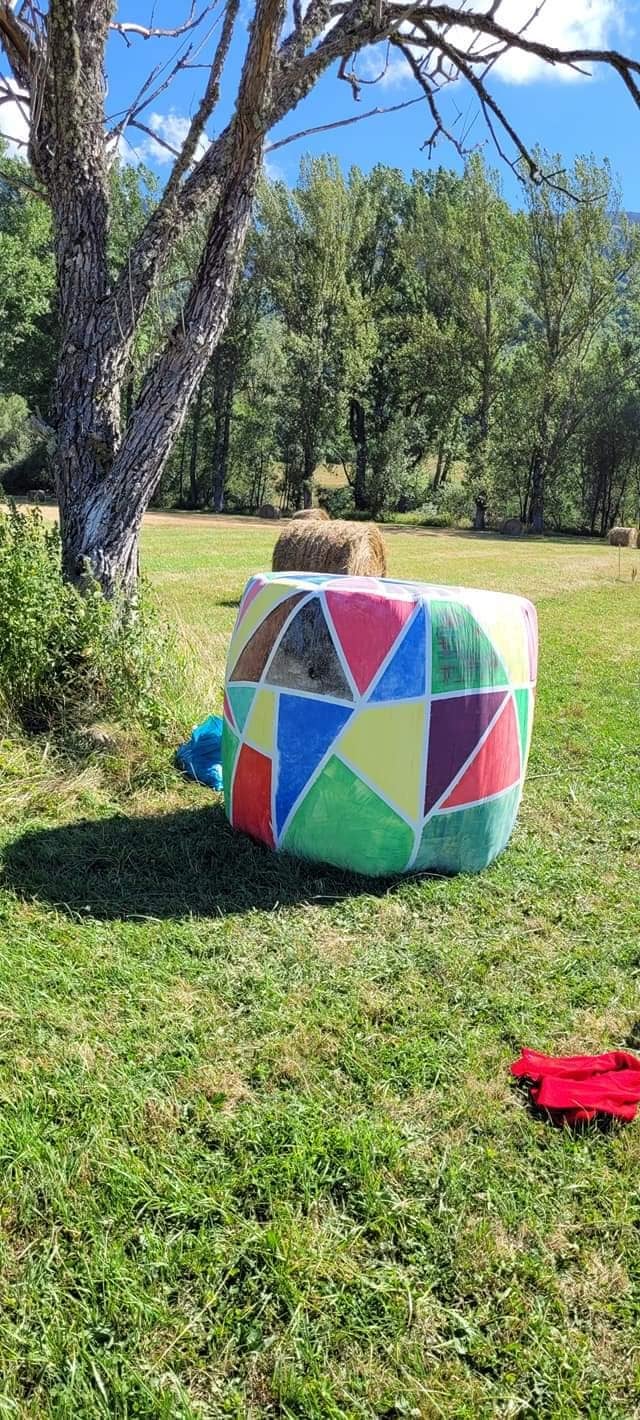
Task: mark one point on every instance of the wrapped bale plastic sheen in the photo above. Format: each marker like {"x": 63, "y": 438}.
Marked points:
{"x": 380, "y": 726}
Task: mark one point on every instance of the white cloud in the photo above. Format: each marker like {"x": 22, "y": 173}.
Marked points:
{"x": 172, "y": 127}
{"x": 387, "y": 70}
{"x": 272, "y": 170}
{"x": 564, "y": 24}
{"x": 14, "y": 121}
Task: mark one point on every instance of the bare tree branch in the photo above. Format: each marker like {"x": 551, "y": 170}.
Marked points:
{"x": 151, "y": 133}
{"x": 128, "y": 27}
{"x": 20, "y": 49}
{"x": 484, "y": 24}
{"x": 19, "y": 142}
{"x": 341, "y": 123}
{"x": 208, "y": 102}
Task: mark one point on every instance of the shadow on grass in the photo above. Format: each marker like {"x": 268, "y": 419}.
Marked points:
{"x": 167, "y": 866}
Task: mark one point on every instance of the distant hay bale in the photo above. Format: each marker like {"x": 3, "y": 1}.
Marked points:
{"x": 267, "y": 510}
{"x": 623, "y": 537}
{"x": 512, "y": 527}
{"x": 308, "y": 514}
{"x": 356, "y": 549}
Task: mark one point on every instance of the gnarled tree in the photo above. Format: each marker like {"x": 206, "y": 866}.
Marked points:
{"x": 107, "y": 470}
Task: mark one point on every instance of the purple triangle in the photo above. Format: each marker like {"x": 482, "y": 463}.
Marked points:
{"x": 456, "y": 725}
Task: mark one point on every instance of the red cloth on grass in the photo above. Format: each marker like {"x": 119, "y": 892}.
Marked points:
{"x": 582, "y": 1086}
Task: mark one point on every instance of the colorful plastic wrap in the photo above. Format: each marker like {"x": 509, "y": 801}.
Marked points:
{"x": 380, "y": 726}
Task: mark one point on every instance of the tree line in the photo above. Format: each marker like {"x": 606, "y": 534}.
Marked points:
{"x": 443, "y": 352}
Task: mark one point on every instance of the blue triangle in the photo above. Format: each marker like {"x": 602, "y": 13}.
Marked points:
{"x": 405, "y": 673}
{"x": 306, "y": 729}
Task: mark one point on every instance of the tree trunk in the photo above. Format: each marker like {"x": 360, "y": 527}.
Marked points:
{"x": 480, "y": 515}
{"x": 435, "y": 484}
{"x": 105, "y": 480}
{"x": 221, "y": 452}
{"x": 183, "y": 454}
{"x": 539, "y": 467}
{"x": 536, "y": 500}
{"x": 195, "y": 439}
{"x": 114, "y": 560}
{"x": 358, "y": 431}
{"x": 310, "y": 460}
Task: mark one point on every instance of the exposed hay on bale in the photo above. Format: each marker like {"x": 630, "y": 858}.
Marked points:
{"x": 308, "y": 514}
{"x": 623, "y": 537}
{"x": 268, "y": 511}
{"x": 512, "y": 527}
{"x": 356, "y": 549}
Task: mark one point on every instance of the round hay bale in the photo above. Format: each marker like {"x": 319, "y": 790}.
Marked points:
{"x": 353, "y": 549}
{"x": 512, "y": 527}
{"x": 268, "y": 511}
{"x": 623, "y": 537}
{"x": 36, "y": 495}
{"x": 308, "y": 514}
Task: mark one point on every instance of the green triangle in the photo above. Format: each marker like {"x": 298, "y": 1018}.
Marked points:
{"x": 467, "y": 840}
{"x": 463, "y": 657}
{"x": 241, "y": 697}
{"x": 342, "y": 821}
{"x": 230, "y": 745}
{"x": 523, "y": 706}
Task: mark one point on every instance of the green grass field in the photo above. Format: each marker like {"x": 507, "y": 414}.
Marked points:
{"x": 260, "y": 1151}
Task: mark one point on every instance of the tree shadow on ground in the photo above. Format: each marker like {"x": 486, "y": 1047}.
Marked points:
{"x": 186, "y": 863}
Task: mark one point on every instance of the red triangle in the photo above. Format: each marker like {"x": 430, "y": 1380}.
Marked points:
{"x": 252, "y": 795}
{"x": 496, "y": 765}
{"x": 367, "y": 626}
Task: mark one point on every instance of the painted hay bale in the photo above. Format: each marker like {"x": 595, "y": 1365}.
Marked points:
{"x": 308, "y": 514}
{"x": 623, "y": 537}
{"x": 353, "y": 549}
{"x": 383, "y": 727}
{"x": 267, "y": 510}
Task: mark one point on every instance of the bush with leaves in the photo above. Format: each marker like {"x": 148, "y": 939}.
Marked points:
{"x": 66, "y": 658}
{"x": 338, "y": 502}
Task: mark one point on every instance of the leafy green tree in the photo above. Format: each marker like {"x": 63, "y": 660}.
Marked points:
{"x": 579, "y": 251}
{"x": 28, "y": 348}
{"x": 608, "y": 448}
{"x": 304, "y": 244}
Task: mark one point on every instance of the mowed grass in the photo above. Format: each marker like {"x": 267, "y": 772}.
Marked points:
{"x": 261, "y": 1154}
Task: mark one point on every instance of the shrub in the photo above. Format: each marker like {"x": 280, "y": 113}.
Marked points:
{"x": 456, "y": 504}
{"x": 337, "y": 501}
{"x": 66, "y": 658}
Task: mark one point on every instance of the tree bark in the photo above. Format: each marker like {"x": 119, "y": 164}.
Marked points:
{"x": 221, "y": 451}
{"x": 105, "y": 480}
{"x": 358, "y": 431}
{"x": 536, "y": 497}
{"x": 479, "y": 519}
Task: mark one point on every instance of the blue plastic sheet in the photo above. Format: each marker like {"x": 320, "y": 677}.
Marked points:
{"x": 201, "y": 757}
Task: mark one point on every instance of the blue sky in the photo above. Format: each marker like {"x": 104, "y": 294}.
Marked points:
{"x": 567, "y": 115}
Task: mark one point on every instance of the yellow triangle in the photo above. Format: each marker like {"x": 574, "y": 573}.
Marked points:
{"x": 259, "y": 727}
{"x": 385, "y": 742}
{"x": 262, "y": 604}
{"x": 504, "y": 625}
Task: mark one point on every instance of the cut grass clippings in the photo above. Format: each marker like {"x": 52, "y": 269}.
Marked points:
{"x": 261, "y": 1155}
